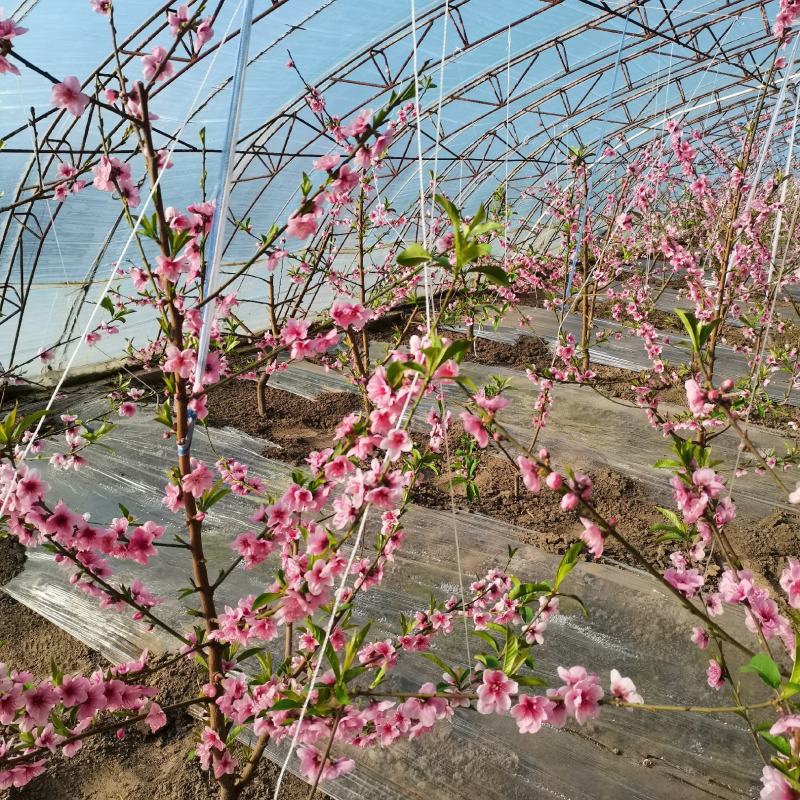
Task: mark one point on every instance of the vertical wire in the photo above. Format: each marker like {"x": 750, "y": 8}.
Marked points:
{"x": 334, "y": 610}
{"x": 428, "y": 295}
{"x": 505, "y": 182}
{"x": 398, "y": 426}
{"x": 445, "y": 23}
{"x": 602, "y": 140}
{"x": 420, "y": 168}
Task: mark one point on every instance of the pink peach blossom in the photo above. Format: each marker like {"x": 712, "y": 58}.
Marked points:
{"x": 68, "y": 95}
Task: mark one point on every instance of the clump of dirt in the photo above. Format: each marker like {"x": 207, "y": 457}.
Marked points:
{"x": 661, "y": 320}
{"x": 619, "y": 382}
{"x": 525, "y": 352}
{"x": 28, "y": 641}
{"x": 764, "y": 546}
{"x": 534, "y": 298}
{"x": 143, "y": 764}
{"x": 780, "y": 417}
{"x": 546, "y": 525}
{"x": 294, "y": 423}
{"x": 12, "y": 558}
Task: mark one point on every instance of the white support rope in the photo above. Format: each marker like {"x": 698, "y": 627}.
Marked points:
{"x": 430, "y": 295}
{"x": 508, "y": 148}
{"x": 768, "y": 138}
{"x": 445, "y": 21}
{"x": 334, "y": 610}
{"x": 110, "y": 281}
{"x": 398, "y": 425}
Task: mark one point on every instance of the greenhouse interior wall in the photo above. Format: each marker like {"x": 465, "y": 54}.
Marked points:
{"x": 399, "y": 399}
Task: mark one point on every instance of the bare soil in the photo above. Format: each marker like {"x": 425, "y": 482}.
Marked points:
{"x": 765, "y": 545}
{"x": 618, "y": 382}
{"x": 295, "y": 424}
{"x": 544, "y": 523}
{"x": 144, "y": 765}
{"x": 730, "y": 333}
{"x": 524, "y": 352}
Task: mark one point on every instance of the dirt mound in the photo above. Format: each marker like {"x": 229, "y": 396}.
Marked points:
{"x": 296, "y": 424}
{"x": 526, "y": 351}
{"x": 546, "y": 525}
{"x": 765, "y": 545}
{"x": 12, "y": 558}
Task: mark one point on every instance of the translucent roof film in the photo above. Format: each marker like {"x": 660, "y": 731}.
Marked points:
{"x": 513, "y": 85}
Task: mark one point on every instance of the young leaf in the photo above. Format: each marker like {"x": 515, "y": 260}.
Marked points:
{"x": 778, "y": 742}
{"x": 413, "y": 255}
{"x": 765, "y": 668}
{"x": 449, "y": 209}
{"x": 493, "y": 273}
{"x": 568, "y": 562}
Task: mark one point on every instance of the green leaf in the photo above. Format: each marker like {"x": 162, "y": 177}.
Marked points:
{"x": 354, "y": 645}
{"x": 486, "y": 638}
{"x": 480, "y": 216}
{"x": 378, "y": 678}
{"x": 233, "y": 735}
{"x": 270, "y": 236}
{"x": 285, "y": 704}
{"x": 671, "y": 516}
{"x": 263, "y": 599}
{"x": 353, "y": 673}
{"x": 790, "y": 690}
{"x": 765, "y": 668}
{"x": 413, "y": 255}
{"x": 567, "y": 564}
{"x": 28, "y": 422}
{"x": 691, "y": 324}
{"x": 164, "y": 414}
{"x": 455, "y": 350}
{"x": 490, "y": 662}
{"x": 333, "y": 660}
{"x": 439, "y": 663}
{"x": 580, "y": 603}
{"x": 449, "y": 209}
{"x": 795, "y": 676}
{"x": 529, "y": 680}
{"x": 778, "y": 742}
{"x": 245, "y": 654}
{"x": 493, "y": 273}
{"x": 395, "y": 372}
{"x": 467, "y": 383}
{"x": 341, "y": 694}
{"x": 705, "y": 331}
{"x": 510, "y": 652}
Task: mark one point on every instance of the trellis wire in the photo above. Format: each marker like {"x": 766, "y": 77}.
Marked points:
{"x": 334, "y": 610}
{"x": 602, "y": 141}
